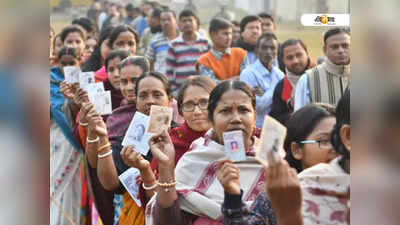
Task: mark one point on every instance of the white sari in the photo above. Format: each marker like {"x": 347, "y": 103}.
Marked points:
{"x": 65, "y": 179}
{"x": 199, "y": 191}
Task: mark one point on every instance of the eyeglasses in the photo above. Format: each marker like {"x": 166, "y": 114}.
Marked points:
{"x": 323, "y": 144}
{"x": 190, "y": 106}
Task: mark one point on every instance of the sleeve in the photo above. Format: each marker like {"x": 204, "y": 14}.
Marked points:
{"x": 203, "y": 70}
{"x": 279, "y": 108}
{"x": 172, "y": 215}
{"x": 170, "y": 63}
{"x": 142, "y": 43}
{"x": 302, "y": 94}
{"x": 237, "y": 213}
{"x": 244, "y": 63}
{"x": 265, "y": 101}
{"x": 151, "y": 53}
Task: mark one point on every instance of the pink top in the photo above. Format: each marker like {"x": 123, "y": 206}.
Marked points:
{"x": 101, "y": 74}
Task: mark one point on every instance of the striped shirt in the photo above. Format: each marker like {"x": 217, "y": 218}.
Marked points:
{"x": 182, "y": 58}
{"x": 157, "y": 52}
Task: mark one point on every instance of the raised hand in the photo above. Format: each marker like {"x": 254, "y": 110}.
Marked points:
{"x": 67, "y": 90}
{"x": 96, "y": 123}
{"x": 162, "y": 149}
{"x": 85, "y": 109}
{"x": 134, "y": 159}
{"x": 228, "y": 175}
{"x": 283, "y": 189}
{"x": 80, "y": 97}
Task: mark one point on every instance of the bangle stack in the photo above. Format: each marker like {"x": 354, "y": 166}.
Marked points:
{"x": 166, "y": 185}
{"x": 105, "y": 154}
{"x": 92, "y": 141}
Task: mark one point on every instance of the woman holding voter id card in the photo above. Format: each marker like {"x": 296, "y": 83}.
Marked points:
{"x": 151, "y": 89}
{"x": 318, "y": 195}
{"x": 191, "y": 193}
{"x": 65, "y": 157}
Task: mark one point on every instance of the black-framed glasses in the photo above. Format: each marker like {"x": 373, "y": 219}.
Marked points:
{"x": 323, "y": 144}
{"x": 190, "y": 106}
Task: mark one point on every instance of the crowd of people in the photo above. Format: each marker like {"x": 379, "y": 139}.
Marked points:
{"x": 228, "y": 79}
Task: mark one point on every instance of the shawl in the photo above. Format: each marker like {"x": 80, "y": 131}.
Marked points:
{"x": 56, "y": 102}
{"x": 199, "y": 191}
{"x": 327, "y": 82}
{"x": 118, "y": 122}
{"x": 317, "y": 207}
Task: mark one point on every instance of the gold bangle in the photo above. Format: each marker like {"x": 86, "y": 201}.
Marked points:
{"x": 103, "y": 147}
{"x": 166, "y": 185}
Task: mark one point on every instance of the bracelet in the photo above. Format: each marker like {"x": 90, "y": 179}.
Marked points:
{"x": 92, "y": 141}
{"x": 83, "y": 124}
{"x": 166, "y": 185}
{"x": 151, "y": 187}
{"x": 105, "y": 154}
{"x": 103, "y": 147}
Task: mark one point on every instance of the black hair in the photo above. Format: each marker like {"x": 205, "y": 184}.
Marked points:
{"x": 72, "y": 29}
{"x": 122, "y": 54}
{"x": 267, "y": 16}
{"x": 129, "y": 7}
{"x": 168, "y": 10}
{"x": 187, "y": 13}
{"x": 266, "y": 35}
{"x": 139, "y": 61}
{"x": 67, "y": 51}
{"x": 200, "y": 81}
{"x": 248, "y": 19}
{"x": 120, "y": 29}
{"x": 285, "y": 44}
{"x": 223, "y": 87}
{"x": 161, "y": 77}
{"x": 334, "y": 31}
{"x": 300, "y": 125}
{"x": 218, "y": 23}
{"x": 94, "y": 62}
{"x": 85, "y": 23}
{"x": 156, "y": 13}
{"x": 342, "y": 118}
{"x": 235, "y": 23}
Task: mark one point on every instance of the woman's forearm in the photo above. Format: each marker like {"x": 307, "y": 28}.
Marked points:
{"x": 106, "y": 170}
{"x": 166, "y": 195}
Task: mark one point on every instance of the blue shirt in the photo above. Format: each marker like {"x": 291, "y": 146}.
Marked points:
{"x": 302, "y": 94}
{"x": 256, "y": 75}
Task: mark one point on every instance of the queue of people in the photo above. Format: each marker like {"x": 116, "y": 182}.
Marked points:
{"x": 213, "y": 85}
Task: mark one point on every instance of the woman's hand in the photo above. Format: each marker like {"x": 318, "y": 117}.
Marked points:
{"x": 134, "y": 159}
{"x": 162, "y": 149}
{"x": 228, "y": 175}
{"x": 96, "y": 124}
{"x": 80, "y": 97}
{"x": 284, "y": 191}
{"x": 67, "y": 90}
{"x": 85, "y": 109}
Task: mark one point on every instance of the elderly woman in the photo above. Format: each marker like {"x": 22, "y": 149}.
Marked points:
{"x": 191, "y": 194}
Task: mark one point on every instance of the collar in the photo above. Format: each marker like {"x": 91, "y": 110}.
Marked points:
{"x": 342, "y": 70}
{"x": 218, "y": 54}
{"x": 293, "y": 78}
{"x": 262, "y": 69}
{"x": 198, "y": 36}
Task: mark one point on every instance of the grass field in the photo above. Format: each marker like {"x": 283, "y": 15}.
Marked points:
{"x": 313, "y": 37}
